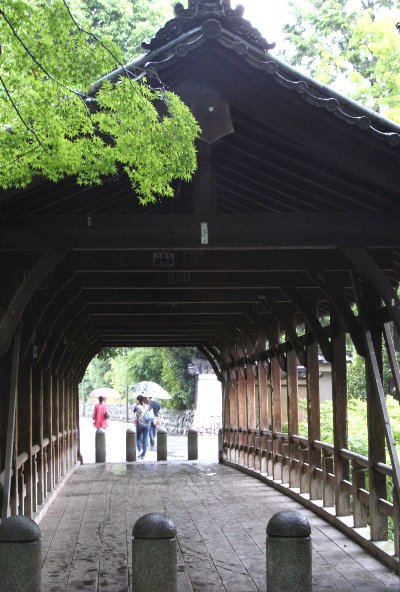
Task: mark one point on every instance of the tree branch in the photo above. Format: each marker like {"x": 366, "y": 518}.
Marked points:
{"x": 15, "y": 107}
{"x": 39, "y": 65}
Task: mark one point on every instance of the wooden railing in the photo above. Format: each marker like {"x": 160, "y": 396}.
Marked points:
{"x": 300, "y": 468}
{"x": 34, "y": 477}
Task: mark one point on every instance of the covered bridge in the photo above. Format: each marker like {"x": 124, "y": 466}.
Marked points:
{"x": 285, "y": 243}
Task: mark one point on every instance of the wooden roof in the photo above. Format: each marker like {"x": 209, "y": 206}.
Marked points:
{"x": 295, "y": 183}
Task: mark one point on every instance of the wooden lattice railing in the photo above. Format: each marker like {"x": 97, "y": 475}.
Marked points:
{"x": 284, "y": 462}
{"x": 35, "y": 477}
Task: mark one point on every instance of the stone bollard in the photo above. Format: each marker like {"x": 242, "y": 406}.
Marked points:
{"x": 154, "y": 554}
{"x": 193, "y": 444}
{"x": 20, "y": 555}
{"x": 130, "y": 445}
{"x": 289, "y": 553}
{"x": 100, "y": 456}
{"x": 162, "y": 452}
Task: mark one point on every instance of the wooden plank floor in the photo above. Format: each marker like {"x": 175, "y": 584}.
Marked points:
{"x": 220, "y": 515}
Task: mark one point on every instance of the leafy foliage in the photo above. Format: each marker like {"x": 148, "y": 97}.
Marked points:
{"x": 50, "y": 126}
{"x": 356, "y": 381}
{"x": 353, "y": 46}
{"x": 126, "y": 22}
{"x": 166, "y": 366}
{"x": 357, "y": 423}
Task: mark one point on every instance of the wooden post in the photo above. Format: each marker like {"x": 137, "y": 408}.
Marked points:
{"x": 314, "y": 422}
{"x": 276, "y": 408}
{"x": 293, "y": 414}
{"x": 226, "y": 420}
{"x": 360, "y": 510}
{"x": 61, "y": 384}
{"x": 25, "y": 432}
{"x": 340, "y": 418}
{"x": 251, "y": 397}
{"x": 233, "y": 402}
{"x": 263, "y": 394}
{"x": 56, "y": 427}
{"x": 376, "y": 426}
{"x": 48, "y": 423}
{"x": 242, "y": 406}
{"x": 12, "y": 408}
{"x": 37, "y": 430}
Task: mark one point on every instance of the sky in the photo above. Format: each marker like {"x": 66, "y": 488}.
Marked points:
{"x": 268, "y": 16}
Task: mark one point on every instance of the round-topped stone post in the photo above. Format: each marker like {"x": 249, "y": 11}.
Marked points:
{"x": 193, "y": 444}
{"x": 154, "y": 554}
{"x": 130, "y": 445}
{"x": 289, "y": 553}
{"x": 20, "y": 555}
{"x": 100, "y": 451}
{"x": 162, "y": 451}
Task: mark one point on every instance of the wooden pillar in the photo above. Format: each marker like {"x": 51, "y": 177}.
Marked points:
{"x": 24, "y": 431}
{"x": 242, "y": 398}
{"x": 48, "y": 426}
{"x": 68, "y": 423}
{"x": 75, "y": 421}
{"x": 5, "y": 390}
{"x": 263, "y": 390}
{"x": 226, "y": 421}
{"x": 233, "y": 402}
{"x": 276, "y": 408}
{"x": 251, "y": 397}
{"x": 61, "y": 394}
{"x": 10, "y": 448}
{"x": 276, "y": 395}
{"x": 314, "y": 421}
{"x": 37, "y": 431}
{"x": 340, "y": 417}
{"x": 293, "y": 416}
{"x": 376, "y": 426}
{"x": 56, "y": 427}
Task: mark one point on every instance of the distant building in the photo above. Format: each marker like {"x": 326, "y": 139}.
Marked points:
{"x": 208, "y": 397}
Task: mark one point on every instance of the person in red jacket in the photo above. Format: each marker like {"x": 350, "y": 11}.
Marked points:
{"x": 100, "y": 414}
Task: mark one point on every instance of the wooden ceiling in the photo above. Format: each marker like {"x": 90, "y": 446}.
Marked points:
{"x": 292, "y": 180}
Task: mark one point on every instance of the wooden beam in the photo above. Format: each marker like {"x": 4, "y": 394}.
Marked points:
{"x": 390, "y": 440}
{"x": 333, "y": 293}
{"x": 226, "y": 231}
{"x": 394, "y": 364}
{"x": 310, "y": 314}
{"x": 366, "y": 265}
{"x": 47, "y": 261}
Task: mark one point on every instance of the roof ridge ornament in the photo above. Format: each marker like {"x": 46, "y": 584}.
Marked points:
{"x": 198, "y": 12}
{"x": 197, "y": 7}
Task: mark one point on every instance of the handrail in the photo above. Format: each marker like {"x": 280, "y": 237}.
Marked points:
{"x": 323, "y": 446}
{"x": 21, "y": 459}
{"x": 349, "y": 455}
{"x": 300, "y": 440}
{"x": 384, "y": 469}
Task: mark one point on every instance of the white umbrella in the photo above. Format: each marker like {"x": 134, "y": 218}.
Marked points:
{"x": 146, "y": 388}
{"x": 106, "y": 392}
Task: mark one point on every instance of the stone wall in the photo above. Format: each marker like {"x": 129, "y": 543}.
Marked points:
{"x": 175, "y": 422}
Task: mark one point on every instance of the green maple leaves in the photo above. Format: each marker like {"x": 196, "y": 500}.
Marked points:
{"x": 49, "y": 128}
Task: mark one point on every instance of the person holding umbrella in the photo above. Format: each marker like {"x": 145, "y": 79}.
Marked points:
{"x": 143, "y": 418}
{"x": 155, "y": 406}
{"x": 100, "y": 414}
